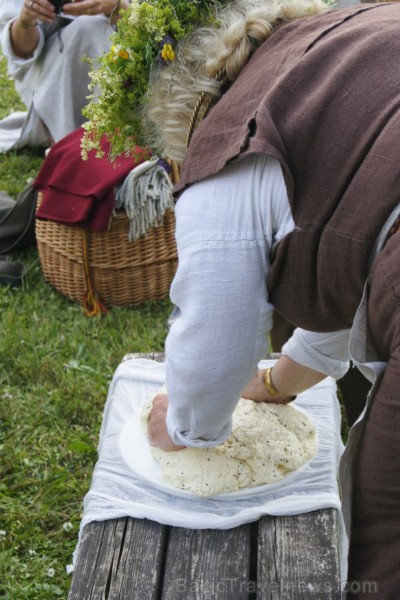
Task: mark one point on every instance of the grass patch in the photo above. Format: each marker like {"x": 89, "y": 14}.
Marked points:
{"x": 55, "y": 369}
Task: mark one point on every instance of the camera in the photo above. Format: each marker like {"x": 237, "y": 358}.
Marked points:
{"x": 58, "y": 4}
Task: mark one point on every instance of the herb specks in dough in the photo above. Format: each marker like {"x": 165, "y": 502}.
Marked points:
{"x": 267, "y": 442}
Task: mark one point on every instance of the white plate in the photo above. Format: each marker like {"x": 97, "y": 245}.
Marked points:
{"x": 136, "y": 452}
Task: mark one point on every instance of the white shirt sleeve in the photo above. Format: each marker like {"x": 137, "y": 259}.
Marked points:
{"x": 225, "y": 228}
{"x": 324, "y": 352}
{"x": 224, "y": 231}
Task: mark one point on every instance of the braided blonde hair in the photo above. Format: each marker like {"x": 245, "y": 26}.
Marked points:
{"x": 207, "y": 59}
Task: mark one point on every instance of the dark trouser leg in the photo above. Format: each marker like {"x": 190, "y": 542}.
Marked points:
{"x": 354, "y": 388}
{"x": 375, "y": 530}
{"x": 280, "y": 332}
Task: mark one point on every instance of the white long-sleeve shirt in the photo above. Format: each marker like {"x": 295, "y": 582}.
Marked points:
{"x": 226, "y": 227}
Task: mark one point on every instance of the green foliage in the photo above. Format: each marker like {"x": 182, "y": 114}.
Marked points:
{"x": 55, "y": 369}
{"x": 9, "y": 99}
{"x": 146, "y": 32}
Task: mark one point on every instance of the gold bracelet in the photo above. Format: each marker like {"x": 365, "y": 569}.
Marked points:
{"x": 269, "y": 386}
{"x": 26, "y": 25}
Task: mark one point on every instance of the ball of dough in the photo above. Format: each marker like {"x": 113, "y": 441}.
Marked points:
{"x": 267, "y": 442}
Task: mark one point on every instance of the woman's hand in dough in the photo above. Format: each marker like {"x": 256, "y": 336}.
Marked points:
{"x": 257, "y": 391}
{"x": 157, "y": 427}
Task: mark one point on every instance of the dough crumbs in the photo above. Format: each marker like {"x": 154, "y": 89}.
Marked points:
{"x": 267, "y": 442}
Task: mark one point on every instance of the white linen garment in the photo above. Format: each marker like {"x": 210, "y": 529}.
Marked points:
{"x": 226, "y": 226}
{"x": 53, "y": 82}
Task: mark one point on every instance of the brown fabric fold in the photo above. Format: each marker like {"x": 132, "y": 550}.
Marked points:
{"x": 322, "y": 96}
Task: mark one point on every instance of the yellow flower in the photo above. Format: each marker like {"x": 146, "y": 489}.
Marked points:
{"x": 118, "y": 52}
{"x": 113, "y": 54}
{"x": 167, "y": 53}
{"x": 123, "y": 53}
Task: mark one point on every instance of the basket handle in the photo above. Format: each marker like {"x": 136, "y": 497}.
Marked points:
{"x": 175, "y": 174}
{"x": 92, "y": 304}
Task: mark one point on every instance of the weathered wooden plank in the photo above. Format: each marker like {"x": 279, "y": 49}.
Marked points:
{"x": 299, "y": 557}
{"x": 142, "y": 560}
{"x": 91, "y": 560}
{"x": 207, "y": 564}
{"x": 119, "y": 559}
{"x": 158, "y": 356}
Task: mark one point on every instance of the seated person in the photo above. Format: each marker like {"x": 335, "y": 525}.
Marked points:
{"x": 44, "y": 52}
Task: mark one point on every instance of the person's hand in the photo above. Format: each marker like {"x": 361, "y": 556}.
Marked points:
{"x": 33, "y": 10}
{"x": 24, "y": 35}
{"x": 157, "y": 428}
{"x": 257, "y": 391}
{"x": 78, "y": 8}
{"x": 287, "y": 378}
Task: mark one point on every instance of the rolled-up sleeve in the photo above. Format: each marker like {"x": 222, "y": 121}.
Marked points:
{"x": 324, "y": 352}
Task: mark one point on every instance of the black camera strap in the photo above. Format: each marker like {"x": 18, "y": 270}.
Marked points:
{"x": 56, "y": 26}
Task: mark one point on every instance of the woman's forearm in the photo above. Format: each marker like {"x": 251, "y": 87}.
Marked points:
{"x": 287, "y": 379}
{"x": 291, "y": 378}
{"x": 24, "y": 33}
{"x": 24, "y": 37}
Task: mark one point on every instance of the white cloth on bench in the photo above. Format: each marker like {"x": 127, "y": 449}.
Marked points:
{"x": 117, "y": 491}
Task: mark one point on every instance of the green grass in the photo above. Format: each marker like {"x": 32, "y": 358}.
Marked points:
{"x": 55, "y": 369}
{"x": 16, "y": 169}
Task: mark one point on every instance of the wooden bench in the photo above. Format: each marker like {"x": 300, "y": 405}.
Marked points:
{"x": 275, "y": 558}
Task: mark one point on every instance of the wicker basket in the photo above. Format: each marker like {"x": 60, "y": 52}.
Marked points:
{"x": 122, "y": 273}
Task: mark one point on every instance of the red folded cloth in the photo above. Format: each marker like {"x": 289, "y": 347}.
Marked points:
{"x": 81, "y": 192}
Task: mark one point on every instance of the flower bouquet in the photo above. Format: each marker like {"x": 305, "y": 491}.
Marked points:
{"x": 147, "y": 34}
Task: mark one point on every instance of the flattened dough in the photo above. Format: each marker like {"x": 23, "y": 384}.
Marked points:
{"x": 267, "y": 442}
